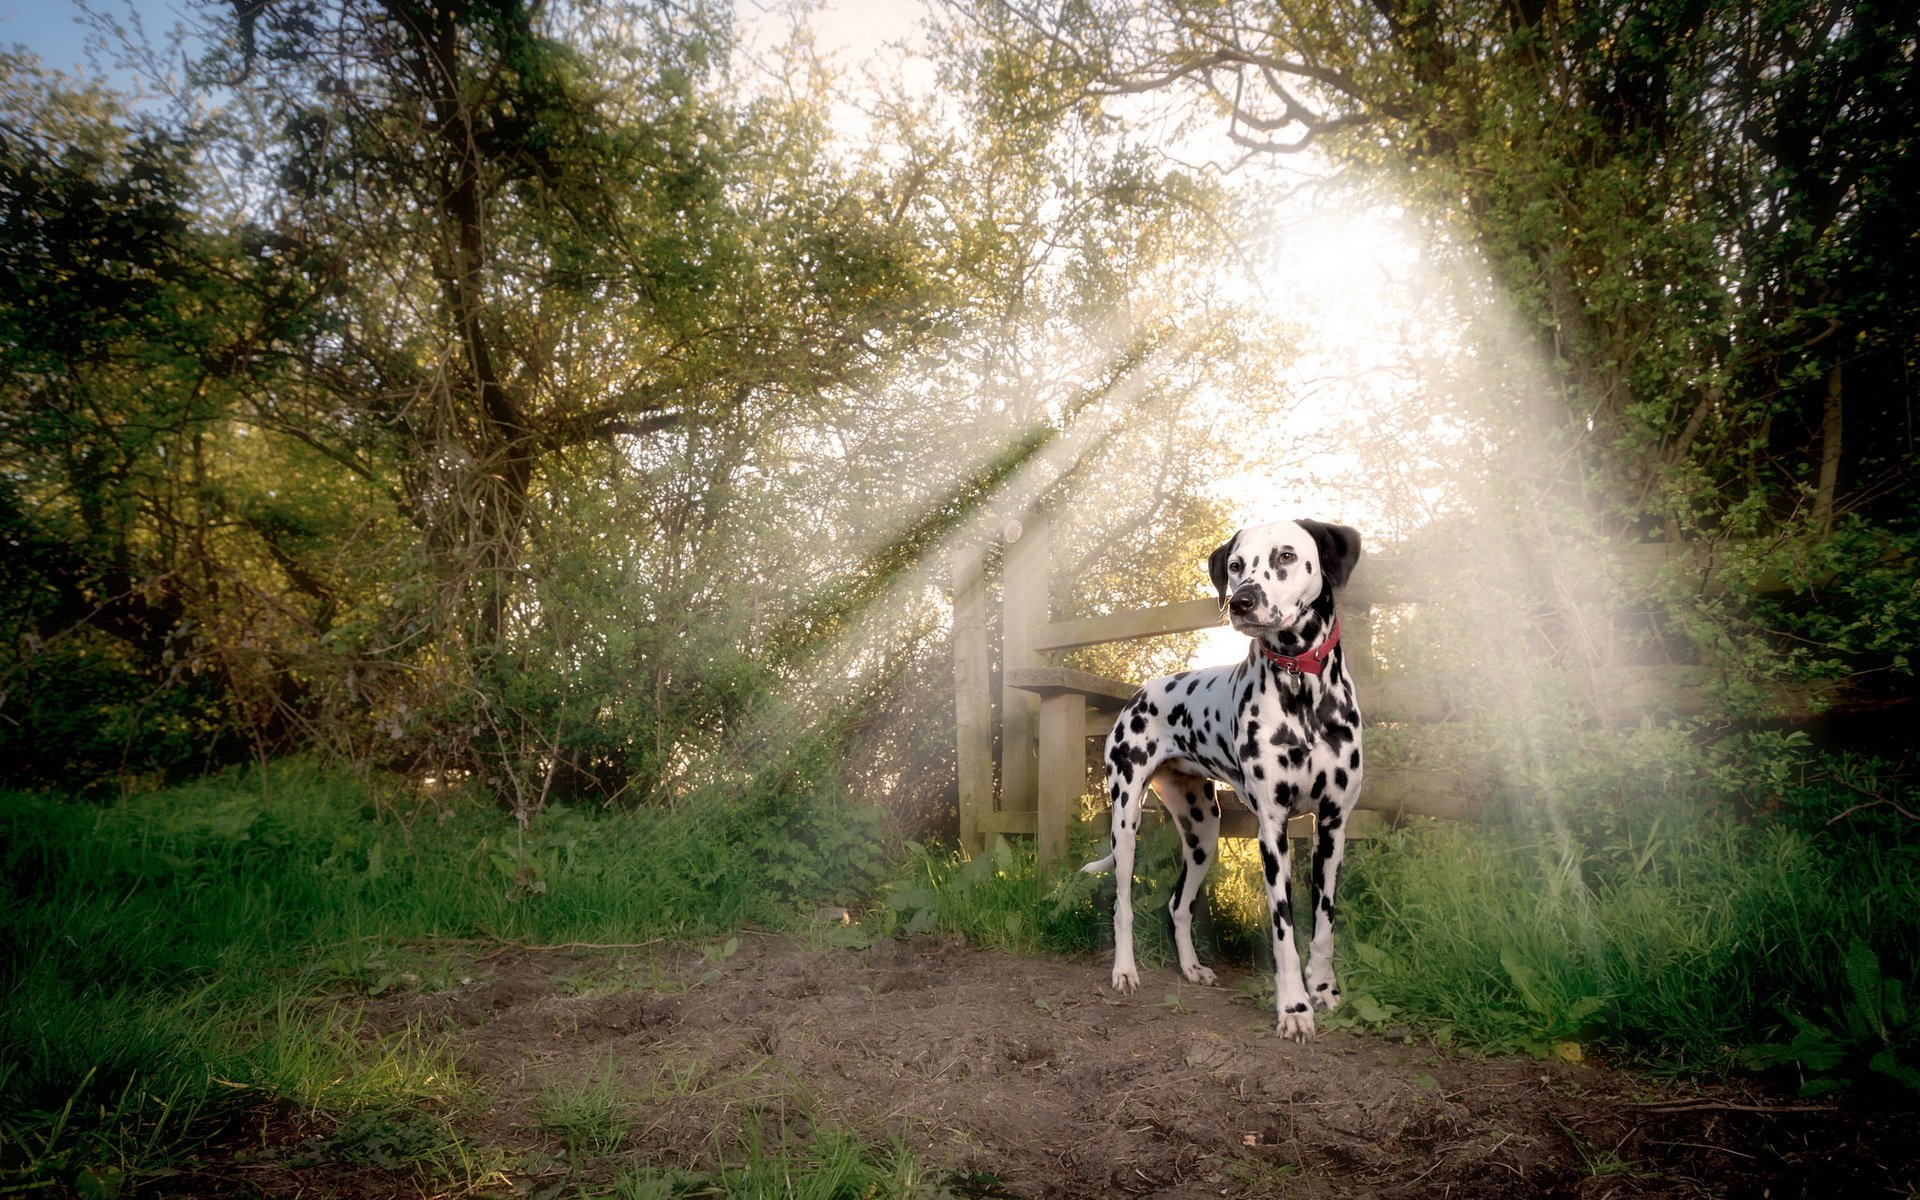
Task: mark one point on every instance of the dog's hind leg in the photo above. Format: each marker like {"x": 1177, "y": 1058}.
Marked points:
{"x": 1127, "y": 785}
{"x": 1329, "y": 847}
{"x": 1190, "y": 801}
{"x": 1335, "y": 806}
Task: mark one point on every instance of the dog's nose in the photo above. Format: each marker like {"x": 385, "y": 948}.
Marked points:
{"x": 1244, "y": 599}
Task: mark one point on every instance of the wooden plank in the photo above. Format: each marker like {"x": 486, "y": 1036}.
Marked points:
{"x": 1024, "y": 609}
{"x": 972, "y": 693}
{"x": 1397, "y": 579}
{"x": 1374, "y": 581}
{"x": 1615, "y": 694}
{"x": 1063, "y": 770}
{"x": 1423, "y": 792}
{"x": 1428, "y": 698}
{"x": 1184, "y": 617}
{"x": 1058, "y": 681}
{"x": 1398, "y": 698}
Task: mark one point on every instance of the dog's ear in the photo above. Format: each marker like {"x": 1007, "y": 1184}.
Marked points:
{"x": 1339, "y": 547}
{"x": 1217, "y": 566}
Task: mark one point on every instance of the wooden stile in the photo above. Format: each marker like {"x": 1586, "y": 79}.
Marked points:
{"x": 1051, "y": 714}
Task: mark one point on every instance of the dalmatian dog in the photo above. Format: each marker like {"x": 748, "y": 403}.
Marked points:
{"x": 1281, "y": 728}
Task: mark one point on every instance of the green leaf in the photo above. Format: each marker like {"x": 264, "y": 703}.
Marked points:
{"x": 909, "y": 899}
{"x": 1525, "y": 981}
{"x": 1887, "y": 1063}
{"x": 921, "y": 921}
{"x": 1863, "y": 978}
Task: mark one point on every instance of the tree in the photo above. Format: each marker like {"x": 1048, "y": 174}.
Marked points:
{"x": 1690, "y": 207}
{"x": 121, "y": 347}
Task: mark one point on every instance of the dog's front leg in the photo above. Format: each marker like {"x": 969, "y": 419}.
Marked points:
{"x": 1290, "y": 995}
{"x": 1129, "y": 796}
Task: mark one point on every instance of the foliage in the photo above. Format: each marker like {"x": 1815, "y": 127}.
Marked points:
{"x": 118, "y": 344}
{"x": 1671, "y": 230}
{"x": 477, "y": 384}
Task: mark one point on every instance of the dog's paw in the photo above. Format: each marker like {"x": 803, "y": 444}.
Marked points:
{"x": 1326, "y": 994}
{"x": 1296, "y": 1022}
{"x": 1203, "y": 976}
{"x": 1125, "y": 979}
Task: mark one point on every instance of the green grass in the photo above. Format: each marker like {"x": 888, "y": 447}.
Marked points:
{"x": 828, "y": 1164}
{"x": 590, "y": 1115}
{"x": 1696, "y": 939}
{"x": 1677, "y": 936}
{"x": 171, "y": 963}
{"x": 1003, "y": 900}
{"x": 174, "y": 965}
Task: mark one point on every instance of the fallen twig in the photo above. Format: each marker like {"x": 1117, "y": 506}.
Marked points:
{"x": 506, "y": 946}
{"x": 1662, "y": 1106}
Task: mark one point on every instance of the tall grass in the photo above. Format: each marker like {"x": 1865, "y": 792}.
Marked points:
{"x": 1678, "y": 954}
{"x": 1674, "y": 934}
{"x": 166, "y": 962}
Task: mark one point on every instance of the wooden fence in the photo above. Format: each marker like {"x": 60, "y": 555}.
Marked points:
{"x": 1049, "y": 712}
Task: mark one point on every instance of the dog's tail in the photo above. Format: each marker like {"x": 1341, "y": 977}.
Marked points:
{"x": 1099, "y": 865}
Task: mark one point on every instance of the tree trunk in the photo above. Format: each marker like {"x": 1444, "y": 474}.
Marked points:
{"x": 1831, "y": 422}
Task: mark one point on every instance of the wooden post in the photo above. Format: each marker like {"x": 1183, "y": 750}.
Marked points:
{"x": 1024, "y": 609}
{"x": 1063, "y": 771}
{"x": 972, "y": 696}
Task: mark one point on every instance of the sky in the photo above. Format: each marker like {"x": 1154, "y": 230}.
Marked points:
{"x": 48, "y": 29}
{"x": 57, "y": 31}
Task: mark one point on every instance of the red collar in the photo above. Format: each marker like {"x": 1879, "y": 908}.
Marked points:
{"x": 1309, "y": 663}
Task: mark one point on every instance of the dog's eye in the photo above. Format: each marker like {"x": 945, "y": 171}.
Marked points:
{"x": 1287, "y": 556}
{"x": 1236, "y": 566}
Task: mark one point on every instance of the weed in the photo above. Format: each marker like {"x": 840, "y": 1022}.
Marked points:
{"x": 391, "y": 1139}
{"x": 1875, "y": 1030}
{"x": 590, "y": 1115}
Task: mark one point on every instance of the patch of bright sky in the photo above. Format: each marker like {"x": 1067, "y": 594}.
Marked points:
{"x": 74, "y": 38}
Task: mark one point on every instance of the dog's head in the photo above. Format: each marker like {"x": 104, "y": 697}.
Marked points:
{"x": 1270, "y": 576}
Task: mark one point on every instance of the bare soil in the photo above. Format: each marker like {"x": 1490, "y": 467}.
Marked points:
{"x": 1028, "y": 1077}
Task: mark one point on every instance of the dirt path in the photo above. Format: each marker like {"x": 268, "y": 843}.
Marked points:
{"x": 1028, "y": 1077}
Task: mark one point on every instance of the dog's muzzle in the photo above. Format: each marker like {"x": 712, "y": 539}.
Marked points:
{"x": 1245, "y": 599}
